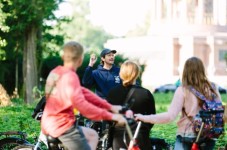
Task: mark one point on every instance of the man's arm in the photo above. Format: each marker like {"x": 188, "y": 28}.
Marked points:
{"x": 94, "y": 99}
{"x": 88, "y": 80}
{"x": 82, "y": 101}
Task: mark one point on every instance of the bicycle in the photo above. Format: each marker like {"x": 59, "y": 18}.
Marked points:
{"x": 12, "y": 139}
{"x": 54, "y": 143}
{"x": 47, "y": 142}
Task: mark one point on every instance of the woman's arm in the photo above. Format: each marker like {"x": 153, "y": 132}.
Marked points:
{"x": 166, "y": 117}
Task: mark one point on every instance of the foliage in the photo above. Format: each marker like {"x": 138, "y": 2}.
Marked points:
{"x": 82, "y": 30}
{"x": 3, "y": 28}
{"x": 20, "y": 16}
{"x": 7, "y": 76}
{"x": 52, "y": 32}
{"x": 50, "y": 63}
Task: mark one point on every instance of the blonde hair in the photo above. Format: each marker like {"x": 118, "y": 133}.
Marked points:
{"x": 194, "y": 75}
{"x": 72, "y": 51}
{"x": 129, "y": 72}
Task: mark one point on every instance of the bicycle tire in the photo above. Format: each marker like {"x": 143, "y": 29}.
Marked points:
{"x": 10, "y": 142}
{"x": 25, "y": 147}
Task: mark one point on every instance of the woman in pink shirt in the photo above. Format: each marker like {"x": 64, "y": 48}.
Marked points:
{"x": 186, "y": 103}
{"x": 64, "y": 93}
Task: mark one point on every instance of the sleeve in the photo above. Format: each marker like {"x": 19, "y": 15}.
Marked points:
{"x": 88, "y": 80}
{"x": 173, "y": 110}
{"x": 96, "y": 100}
{"x": 81, "y": 100}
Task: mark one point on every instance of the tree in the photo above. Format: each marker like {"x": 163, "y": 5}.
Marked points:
{"x": 82, "y": 30}
{"x": 3, "y": 28}
{"x": 26, "y": 23}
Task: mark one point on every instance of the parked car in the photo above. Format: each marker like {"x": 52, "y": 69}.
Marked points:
{"x": 172, "y": 88}
{"x": 166, "y": 88}
{"x": 222, "y": 90}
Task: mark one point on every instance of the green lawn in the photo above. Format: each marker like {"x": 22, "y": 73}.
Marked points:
{"x": 18, "y": 117}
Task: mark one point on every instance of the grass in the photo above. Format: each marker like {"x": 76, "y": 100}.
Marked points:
{"x": 18, "y": 118}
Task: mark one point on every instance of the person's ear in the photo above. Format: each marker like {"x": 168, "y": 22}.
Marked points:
{"x": 80, "y": 61}
{"x": 102, "y": 58}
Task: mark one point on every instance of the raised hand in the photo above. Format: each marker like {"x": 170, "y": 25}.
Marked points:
{"x": 93, "y": 60}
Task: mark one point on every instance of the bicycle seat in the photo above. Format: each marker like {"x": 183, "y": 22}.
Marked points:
{"x": 51, "y": 139}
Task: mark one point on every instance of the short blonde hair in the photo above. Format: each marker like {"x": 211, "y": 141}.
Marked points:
{"x": 72, "y": 51}
{"x": 129, "y": 72}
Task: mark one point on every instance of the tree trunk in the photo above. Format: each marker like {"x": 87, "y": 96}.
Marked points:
{"x": 29, "y": 64}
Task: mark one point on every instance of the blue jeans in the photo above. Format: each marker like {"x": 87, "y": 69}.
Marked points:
{"x": 186, "y": 144}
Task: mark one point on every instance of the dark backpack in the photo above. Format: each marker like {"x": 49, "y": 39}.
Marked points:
{"x": 38, "y": 110}
{"x": 211, "y": 114}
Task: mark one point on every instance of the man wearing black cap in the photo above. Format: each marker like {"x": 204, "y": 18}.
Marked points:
{"x": 105, "y": 77}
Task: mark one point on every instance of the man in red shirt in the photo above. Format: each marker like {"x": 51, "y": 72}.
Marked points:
{"x": 64, "y": 93}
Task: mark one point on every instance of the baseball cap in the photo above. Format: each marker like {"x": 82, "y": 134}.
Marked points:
{"x": 107, "y": 51}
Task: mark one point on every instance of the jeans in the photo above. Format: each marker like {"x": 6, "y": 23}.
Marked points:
{"x": 74, "y": 139}
{"x": 183, "y": 144}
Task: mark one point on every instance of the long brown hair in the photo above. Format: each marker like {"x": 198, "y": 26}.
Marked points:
{"x": 194, "y": 75}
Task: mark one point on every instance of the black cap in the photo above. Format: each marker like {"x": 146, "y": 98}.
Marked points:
{"x": 107, "y": 51}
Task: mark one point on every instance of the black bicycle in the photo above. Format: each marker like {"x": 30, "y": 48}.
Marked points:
{"x": 12, "y": 139}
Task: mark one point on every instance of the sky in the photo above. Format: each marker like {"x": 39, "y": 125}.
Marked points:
{"x": 115, "y": 16}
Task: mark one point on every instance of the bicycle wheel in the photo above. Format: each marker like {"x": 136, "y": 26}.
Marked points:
{"x": 26, "y": 147}
{"x": 10, "y": 142}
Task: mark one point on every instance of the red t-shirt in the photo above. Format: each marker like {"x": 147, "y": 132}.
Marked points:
{"x": 67, "y": 94}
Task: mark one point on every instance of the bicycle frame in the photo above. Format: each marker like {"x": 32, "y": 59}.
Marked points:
{"x": 133, "y": 144}
{"x": 42, "y": 139}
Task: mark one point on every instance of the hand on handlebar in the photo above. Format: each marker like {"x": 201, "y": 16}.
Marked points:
{"x": 120, "y": 119}
{"x": 143, "y": 118}
{"x": 129, "y": 114}
{"x": 116, "y": 109}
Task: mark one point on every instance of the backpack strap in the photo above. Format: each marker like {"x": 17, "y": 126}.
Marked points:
{"x": 208, "y": 103}
{"x": 129, "y": 95}
{"x": 198, "y": 94}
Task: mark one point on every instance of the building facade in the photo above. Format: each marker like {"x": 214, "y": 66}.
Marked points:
{"x": 180, "y": 29}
